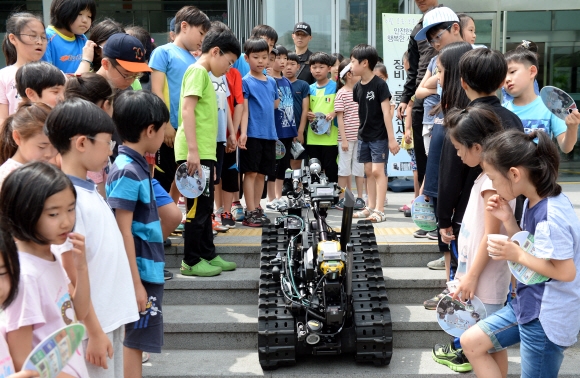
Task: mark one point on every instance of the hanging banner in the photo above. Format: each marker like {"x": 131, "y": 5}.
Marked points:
{"x": 396, "y": 31}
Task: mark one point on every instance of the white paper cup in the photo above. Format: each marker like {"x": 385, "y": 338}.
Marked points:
{"x": 495, "y": 237}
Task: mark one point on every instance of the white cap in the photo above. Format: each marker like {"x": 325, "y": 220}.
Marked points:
{"x": 435, "y": 17}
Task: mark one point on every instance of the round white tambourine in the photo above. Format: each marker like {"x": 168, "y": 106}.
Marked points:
{"x": 190, "y": 186}
{"x": 456, "y": 316}
{"x": 280, "y": 150}
{"x": 319, "y": 124}
{"x": 557, "y": 101}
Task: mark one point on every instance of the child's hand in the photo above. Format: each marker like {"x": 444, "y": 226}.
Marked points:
{"x": 98, "y": 349}
{"x": 141, "y": 296}
{"x": 344, "y": 145}
{"x": 466, "y": 288}
{"x": 78, "y": 250}
{"x": 242, "y": 141}
{"x": 89, "y": 50}
{"x": 310, "y": 116}
{"x": 394, "y": 146}
{"x": 231, "y": 144}
{"x": 300, "y": 138}
{"x": 504, "y": 250}
{"x": 573, "y": 119}
{"x": 330, "y": 116}
{"x": 193, "y": 162}
{"x": 446, "y": 235}
{"x": 169, "y": 138}
{"x": 499, "y": 208}
{"x": 25, "y": 374}
{"x": 408, "y": 136}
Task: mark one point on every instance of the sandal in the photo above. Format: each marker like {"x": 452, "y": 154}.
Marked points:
{"x": 364, "y": 213}
{"x": 377, "y": 217}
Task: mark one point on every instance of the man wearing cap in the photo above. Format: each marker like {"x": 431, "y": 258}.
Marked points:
{"x": 420, "y": 54}
{"x": 301, "y": 36}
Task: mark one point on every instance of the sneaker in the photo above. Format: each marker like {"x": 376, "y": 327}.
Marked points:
{"x": 223, "y": 264}
{"x": 216, "y": 226}
{"x": 253, "y": 219}
{"x": 272, "y": 205}
{"x": 214, "y": 232}
{"x": 167, "y": 243}
{"x": 420, "y": 234}
{"x": 403, "y": 208}
{"x": 359, "y": 204}
{"x": 202, "y": 269}
{"x": 265, "y": 219}
{"x": 218, "y": 213}
{"x": 340, "y": 205}
{"x": 454, "y": 359}
{"x": 282, "y": 204}
{"x": 237, "y": 211}
{"x": 167, "y": 275}
{"x": 407, "y": 213}
{"x": 228, "y": 221}
{"x": 438, "y": 264}
{"x": 144, "y": 357}
{"x": 431, "y": 304}
{"x": 433, "y": 235}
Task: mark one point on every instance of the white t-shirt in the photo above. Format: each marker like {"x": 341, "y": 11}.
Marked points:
{"x": 493, "y": 283}
{"x": 8, "y": 93}
{"x": 112, "y": 290}
{"x": 44, "y": 302}
{"x": 6, "y": 168}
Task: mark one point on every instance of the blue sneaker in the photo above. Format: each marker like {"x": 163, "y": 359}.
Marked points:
{"x": 237, "y": 212}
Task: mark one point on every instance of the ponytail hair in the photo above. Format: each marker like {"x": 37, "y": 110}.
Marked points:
{"x": 14, "y": 25}
{"x": 28, "y": 121}
{"x": 341, "y": 82}
{"x": 472, "y": 125}
{"x": 526, "y": 53}
{"x": 88, "y": 86}
{"x": 540, "y": 158}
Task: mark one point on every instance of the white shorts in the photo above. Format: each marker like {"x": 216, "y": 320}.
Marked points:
{"x": 115, "y": 364}
{"x": 347, "y": 161}
{"x": 427, "y": 136}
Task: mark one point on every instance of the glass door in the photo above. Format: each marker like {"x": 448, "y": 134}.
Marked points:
{"x": 319, "y": 14}
{"x": 281, "y": 15}
{"x": 485, "y": 29}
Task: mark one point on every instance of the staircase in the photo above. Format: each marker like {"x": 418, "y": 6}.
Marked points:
{"x": 211, "y": 323}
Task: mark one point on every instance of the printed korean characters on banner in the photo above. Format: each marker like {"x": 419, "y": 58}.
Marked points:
{"x": 396, "y": 31}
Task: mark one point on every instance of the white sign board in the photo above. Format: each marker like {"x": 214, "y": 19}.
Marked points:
{"x": 396, "y": 31}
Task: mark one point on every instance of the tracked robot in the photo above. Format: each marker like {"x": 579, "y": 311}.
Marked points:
{"x": 321, "y": 293}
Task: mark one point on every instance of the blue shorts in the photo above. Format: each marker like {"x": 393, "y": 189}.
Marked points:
{"x": 161, "y": 196}
{"x": 376, "y": 151}
{"x": 146, "y": 334}
{"x": 540, "y": 356}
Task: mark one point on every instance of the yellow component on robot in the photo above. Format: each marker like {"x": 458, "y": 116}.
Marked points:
{"x": 332, "y": 267}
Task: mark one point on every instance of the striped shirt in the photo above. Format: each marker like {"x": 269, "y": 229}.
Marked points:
{"x": 343, "y": 102}
{"x": 129, "y": 188}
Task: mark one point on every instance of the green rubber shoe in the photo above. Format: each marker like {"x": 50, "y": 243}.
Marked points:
{"x": 454, "y": 359}
{"x": 223, "y": 264}
{"x": 202, "y": 269}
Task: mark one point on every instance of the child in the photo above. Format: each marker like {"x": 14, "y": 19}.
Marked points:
{"x": 264, "y": 32}
{"x": 334, "y": 71}
{"x": 467, "y": 28}
{"x": 37, "y": 207}
{"x": 544, "y": 317}
{"x": 100, "y": 33}
{"x": 68, "y": 48}
{"x": 130, "y": 195}
{"x": 258, "y": 128}
{"x": 322, "y": 93}
{"x": 40, "y": 82}
{"x": 285, "y": 126}
{"x": 376, "y": 136}
{"x": 195, "y": 143}
{"x": 301, "y": 102}
{"x": 347, "y": 115}
{"x": 148, "y": 43}
{"x": 24, "y": 42}
{"x": 477, "y": 273}
{"x": 82, "y": 134}
{"x": 169, "y": 63}
{"x": 526, "y": 104}
{"x": 23, "y": 138}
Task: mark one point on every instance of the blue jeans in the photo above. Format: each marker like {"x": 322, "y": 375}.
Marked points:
{"x": 541, "y": 358}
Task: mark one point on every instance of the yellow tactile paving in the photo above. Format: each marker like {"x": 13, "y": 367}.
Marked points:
{"x": 378, "y": 231}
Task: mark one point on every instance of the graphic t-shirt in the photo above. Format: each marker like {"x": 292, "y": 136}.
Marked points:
{"x": 43, "y": 302}
{"x": 5, "y": 169}
{"x": 344, "y": 103}
{"x": 322, "y": 101}
{"x": 222, "y": 93}
{"x": 430, "y": 101}
{"x": 493, "y": 283}
{"x": 300, "y": 90}
{"x": 173, "y": 61}
{"x": 369, "y": 97}
{"x": 261, "y": 95}
{"x": 284, "y": 115}
{"x": 196, "y": 82}
{"x": 556, "y": 231}
{"x": 536, "y": 115}
{"x": 62, "y": 51}
{"x": 8, "y": 93}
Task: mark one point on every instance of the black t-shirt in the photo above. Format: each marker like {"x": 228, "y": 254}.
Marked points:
{"x": 304, "y": 70}
{"x": 369, "y": 97}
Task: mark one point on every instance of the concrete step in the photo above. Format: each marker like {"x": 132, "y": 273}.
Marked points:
{"x": 224, "y": 327}
{"x": 244, "y": 362}
{"x": 247, "y": 254}
{"x": 404, "y": 285}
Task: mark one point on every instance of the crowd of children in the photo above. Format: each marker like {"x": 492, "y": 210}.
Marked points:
{"x": 88, "y": 162}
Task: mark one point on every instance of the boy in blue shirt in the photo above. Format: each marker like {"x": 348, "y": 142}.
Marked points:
{"x": 130, "y": 195}
{"x": 301, "y": 95}
{"x": 265, "y": 32}
{"x": 169, "y": 63}
{"x": 258, "y": 131}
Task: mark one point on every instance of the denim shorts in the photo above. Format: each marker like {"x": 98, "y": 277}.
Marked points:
{"x": 540, "y": 356}
{"x": 376, "y": 151}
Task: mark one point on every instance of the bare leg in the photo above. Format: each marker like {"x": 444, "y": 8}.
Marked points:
{"x": 360, "y": 186}
{"x": 416, "y": 185}
{"x": 475, "y": 344}
{"x": 228, "y": 199}
{"x": 371, "y": 186}
{"x": 447, "y": 256}
{"x": 174, "y": 192}
{"x": 271, "y": 191}
{"x": 258, "y": 189}
{"x": 170, "y": 216}
{"x": 295, "y": 164}
{"x": 378, "y": 172}
{"x": 218, "y": 196}
{"x": 279, "y": 186}
{"x": 132, "y": 363}
{"x": 343, "y": 183}
{"x": 249, "y": 188}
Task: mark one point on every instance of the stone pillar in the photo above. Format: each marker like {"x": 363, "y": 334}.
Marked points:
{"x": 46, "y": 11}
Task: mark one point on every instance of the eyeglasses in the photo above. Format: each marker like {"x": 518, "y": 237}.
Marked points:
{"x": 231, "y": 64}
{"x": 34, "y": 38}
{"x": 437, "y": 38}
{"x": 128, "y": 77}
{"x": 111, "y": 142}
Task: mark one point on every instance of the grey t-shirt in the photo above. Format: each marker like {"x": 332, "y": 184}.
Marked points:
{"x": 430, "y": 101}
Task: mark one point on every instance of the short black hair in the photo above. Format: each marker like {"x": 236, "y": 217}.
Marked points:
{"x": 260, "y": 31}
{"x": 366, "y": 52}
{"x": 484, "y": 70}
{"x": 24, "y": 192}
{"x": 222, "y": 38}
{"x": 75, "y": 116}
{"x": 135, "y": 111}
{"x": 255, "y": 45}
{"x": 100, "y": 33}
{"x": 193, "y": 16}
{"x": 9, "y": 254}
{"x": 64, "y": 12}
{"x": 280, "y": 50}
{"x": 293, "y": 57}
{"x": 321, "y": 58}
{"x": 525, "y": 53}
{"x": 37, "y": 76}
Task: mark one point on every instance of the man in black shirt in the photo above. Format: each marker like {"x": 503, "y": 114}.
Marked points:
{"x": 302, "y": 35}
